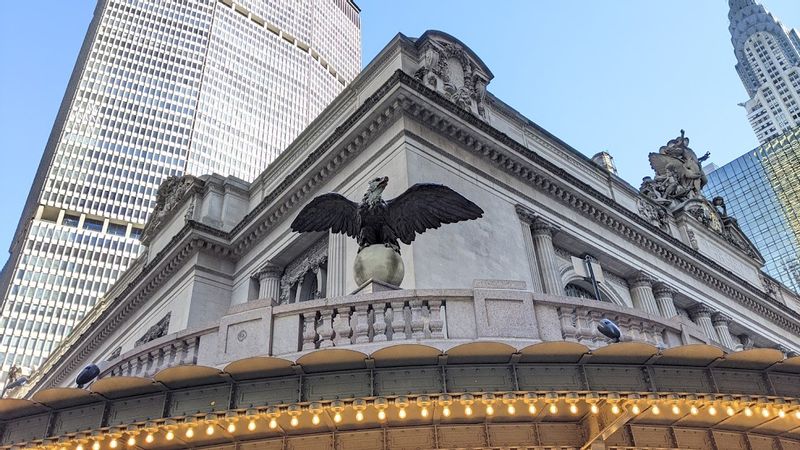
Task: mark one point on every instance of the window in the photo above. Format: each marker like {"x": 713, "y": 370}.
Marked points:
{"x": 117, "y": 229}
{"x": 70, "y": 220}
{"x": 93, "y": 225}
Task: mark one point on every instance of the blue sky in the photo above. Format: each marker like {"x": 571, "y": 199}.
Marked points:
{"x": 617, "y": 75}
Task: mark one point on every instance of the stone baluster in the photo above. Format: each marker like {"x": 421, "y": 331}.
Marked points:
{"x": 701, "y": 315}
{"x": 381, "y": 320}
{"x": 546, "y": 256}
{"x": 269, "y": 282}
{"x": 341, "y": 327}
{"x": 417, "y": 321}
{"x": 336, "y": 283}
{"x": 641, "y": 287}
{"x": 325, "y": 329}
{"x": 721, "y": 323}
{"x": 665, "y": 300}
{"x": 359, "y": 323}
{"x": 436, "y": 322}
{"x": 309, "y": 331}
{"x": 398, "y": 320}
{"x": 527, "y": 218}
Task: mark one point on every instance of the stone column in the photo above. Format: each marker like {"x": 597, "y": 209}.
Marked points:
{"x": 665, "y": 300}
{"x": 641, "y": 287}
{"x": 546, "y": 255}
{"x": 336, "y": 283}
{"x": 527, "y": 219}
{"x": 720, "y": 322}
{"x": 701, "y": 315}
{"x": 269, "y": 282}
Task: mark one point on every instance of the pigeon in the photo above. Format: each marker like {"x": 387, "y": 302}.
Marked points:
{"x": 609, "y": 330}
{"x": 88, "y": 374}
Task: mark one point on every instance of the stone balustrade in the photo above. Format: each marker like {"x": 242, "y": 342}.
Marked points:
{"x": 147, "y": 360}
{"x": 441, "y": 318}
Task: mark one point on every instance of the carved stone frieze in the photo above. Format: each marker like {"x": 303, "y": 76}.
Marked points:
{"x": 156, "y": 331}
{"x": 310, "y": 261}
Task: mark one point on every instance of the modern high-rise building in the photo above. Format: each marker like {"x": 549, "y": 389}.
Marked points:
{"x": 161, "y": 88}
{"x": 762, "y": 191}
{"x": 768, "y": 62}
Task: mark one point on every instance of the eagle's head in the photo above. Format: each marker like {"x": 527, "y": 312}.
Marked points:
{"x": 375, "y": 190}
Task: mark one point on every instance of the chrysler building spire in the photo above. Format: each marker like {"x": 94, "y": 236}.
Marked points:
{"x": 768, "y": 62}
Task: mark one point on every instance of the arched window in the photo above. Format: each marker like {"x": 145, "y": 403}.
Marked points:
{"x": 582, "y": 289}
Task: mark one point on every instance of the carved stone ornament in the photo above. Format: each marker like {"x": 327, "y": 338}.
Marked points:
{"x": 310, "y": 260}
{"x": 655, "y": 214}
{"x": 115, "y": 354}
{"x": 169, "y": 195}
{"x": 156, "y": 331}
{"x": 453, "y": 71}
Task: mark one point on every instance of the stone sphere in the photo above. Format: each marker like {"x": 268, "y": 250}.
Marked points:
{"x": 379, "y": 263}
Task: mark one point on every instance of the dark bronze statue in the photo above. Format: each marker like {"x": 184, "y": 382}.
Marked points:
{"x": 376, "y": 221}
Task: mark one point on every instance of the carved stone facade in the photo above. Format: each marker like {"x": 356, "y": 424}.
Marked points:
{"x": 158, "y": 330}
{"x": 170, "y": 194}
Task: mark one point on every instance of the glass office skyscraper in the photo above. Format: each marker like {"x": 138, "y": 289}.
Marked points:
{"x": 161, "y": 88}
{"x": 762, "y": 190}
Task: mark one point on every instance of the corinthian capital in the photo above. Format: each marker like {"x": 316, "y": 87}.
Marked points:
{"x": 640, "y": 278}
{"x": 269, "y": 270}
{"x": 663, "y": 290}
{"x": 701, "y": 310}
{"x": 719, "y": 318}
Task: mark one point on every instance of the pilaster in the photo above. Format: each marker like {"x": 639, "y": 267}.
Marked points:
{"x": 546, "y": 255}
{"x": 641, "y": 287}
{"x": 527, "y": 218}
{"x": 665, "y": 300}
{"x": 721, "y": 324}
{"x": 269, "y": 282}
{"x": 337, "y": 265}
{"x": 701, "y": 315}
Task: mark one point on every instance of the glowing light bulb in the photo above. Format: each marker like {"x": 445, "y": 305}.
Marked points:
{"x": 338, "y": 417}
{"x": 170, "y": 435}
{"x": 748, "y": 412}
{"x": 532, "y": 408}
{"x": 712, "y": 411}
{"x": 594, "y": 408}
{"x": 553, "y": 408}
{"x": 781, "y": 413}
{"x": 730, "y": 411}
{"x": 676, "y": 410}
{"x": 615, "y": 409}
{"x": 468, "y": 410}
{"x": 295, "y": 421}
{"x": 273, "y": 424}
{"x": 315, "y": 419}
{"x": 113, "y": 444}
{"x": 765, "y": 412}
{"x": 656, "y": 410}
{"x": 635, "y": 409}
{"x": 489, "y": 410}
{"x": 381, "y": 415}
{"x": 512, "y": 410}
{"x": 231, "y": 427}
{"x": 573, "y": 408}
{"x": 210, "y": 430}
{"x": 190, "y": 433}
{"x": 131, "y": 441}
{"x": 402, "y": 413}
{"x": 149, "y": 438}
{"x": 79, "y": 447}
{"x": 797, "y": 414}
{"x": 96, "y": 445}
{"x": 251, "y": 425}
{"x": 446, "y": 411}
{"x": 693, "y": 410}
{"x": 360, "y": 415}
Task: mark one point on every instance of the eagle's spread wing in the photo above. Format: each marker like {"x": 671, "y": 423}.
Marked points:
{"x": 424, "y": 206}
{"x": 328, "y": 212}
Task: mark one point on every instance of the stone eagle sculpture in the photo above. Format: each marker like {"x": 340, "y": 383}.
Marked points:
{"x": 374, "y": 221}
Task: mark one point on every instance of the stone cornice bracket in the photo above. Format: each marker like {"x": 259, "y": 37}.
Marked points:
{"x": 641, "y": 278}
{"x": 701, "y": 310}
{"x": 719, "y": 318}
{"x": 268, "y": 270}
